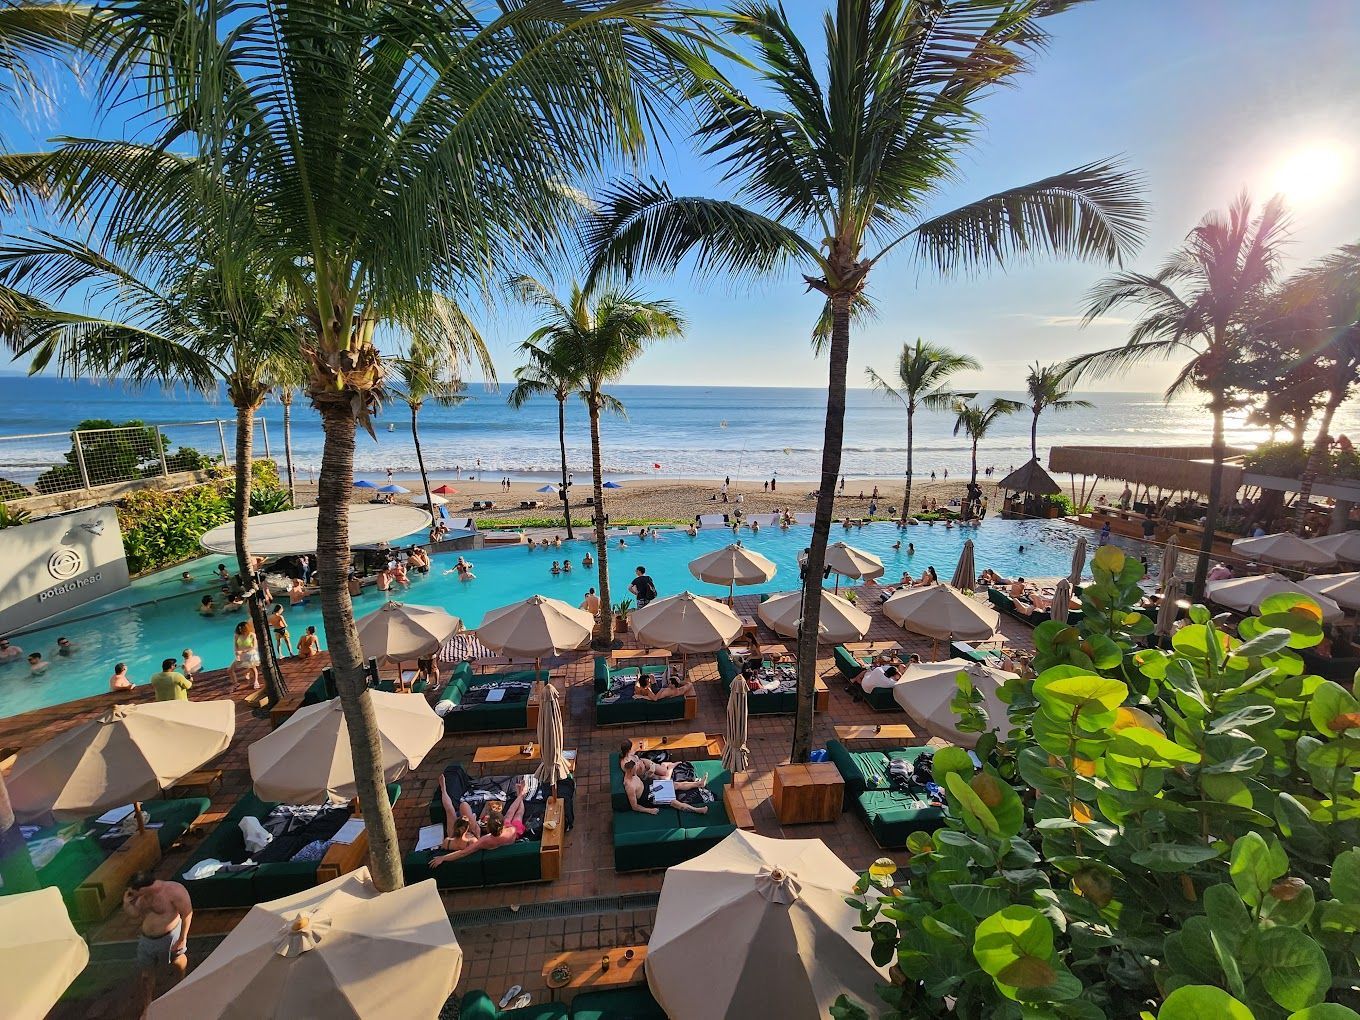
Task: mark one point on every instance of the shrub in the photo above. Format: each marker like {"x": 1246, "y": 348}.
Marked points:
{"x": 1165, "y": 833}
{"x": 116, "y": 453}
{"x": 12, "y": 490}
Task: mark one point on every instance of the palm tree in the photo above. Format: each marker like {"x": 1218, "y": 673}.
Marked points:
{"x": 546, "y": 371}
{"x": 838, "y": 171}
{"x": 423, "y": 374}
{"x": 285, "y": 377}
{"x": 975, "y": 421}
{"x": 396, "y": 153}
{"x": 178, "y": 318}
{"x": 1224, "y": 268}
{"x": 923, "y": 373}
{"x": 1048, "y": 392}
{"x": 601, "y": 334}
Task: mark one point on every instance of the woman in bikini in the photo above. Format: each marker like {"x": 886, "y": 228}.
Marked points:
{"x": 497, "y": 828}
{"x": 247, "y": 655}
{"x": 647, "y": 692}
{"x": 280, "y": 628}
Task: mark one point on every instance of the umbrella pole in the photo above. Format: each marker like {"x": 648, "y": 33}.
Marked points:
{"x": 137, "y": 810}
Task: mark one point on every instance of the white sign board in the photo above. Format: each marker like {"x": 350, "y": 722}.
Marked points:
{"x": 59, "y": 563}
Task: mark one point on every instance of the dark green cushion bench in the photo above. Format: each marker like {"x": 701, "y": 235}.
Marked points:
{"x": 253, "y": 885}
{"x": 891, "y": 816}
{"x": 478, "y": 1005}
{"x": 633, "y": 1003}
{"x": 756, "y": 704}
{"x": 880, "y": 699}
{"x": 645, "y": 841}
{"x": 631, "y": 710}
{"x": 505, "y": 715}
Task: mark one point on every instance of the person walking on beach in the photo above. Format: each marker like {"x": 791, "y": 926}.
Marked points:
{"x": 772, "y": 484}
{"x": 643, "y": 587}
{"x": 842, "y": 485}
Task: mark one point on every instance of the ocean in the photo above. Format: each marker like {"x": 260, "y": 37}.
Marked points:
{"x": 668, "y": 431}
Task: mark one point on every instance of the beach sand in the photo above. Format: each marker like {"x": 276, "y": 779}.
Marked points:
{"x": 674, "y": 499}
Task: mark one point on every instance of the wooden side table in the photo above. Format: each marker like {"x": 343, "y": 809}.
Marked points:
{"x": 203, "y": 783}
{"x": 342, "y": 858}
{"x": 585, "y": 973}
{"x": 808, "y": 793}
{"x": 95, "y": 898}
{"x": 892, "y": 734}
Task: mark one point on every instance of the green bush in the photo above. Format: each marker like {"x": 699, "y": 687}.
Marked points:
{"x": 1160, "y": 833}
{"x": 12, "y": 490}
{"x": 117, "y": 453}
{"x": 1284, "y": 460}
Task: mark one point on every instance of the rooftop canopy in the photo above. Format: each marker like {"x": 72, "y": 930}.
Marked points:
{"x": 1166, "y": 467}
{"x": 1031, "y": 478}
{"x": 293, "y": 532}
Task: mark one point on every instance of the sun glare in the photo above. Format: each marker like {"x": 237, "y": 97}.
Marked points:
{"x": 1313, "y": 173}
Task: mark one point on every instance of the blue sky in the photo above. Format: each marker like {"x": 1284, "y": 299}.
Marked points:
{"x": 1205, "y": 97}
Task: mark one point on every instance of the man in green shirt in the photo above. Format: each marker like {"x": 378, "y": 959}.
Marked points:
{"x": 169, "y": 684}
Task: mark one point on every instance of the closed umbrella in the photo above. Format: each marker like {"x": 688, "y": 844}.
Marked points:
{"x": 41, "y": 952}
{"x": 341, "y": 949}
{"x": 1078, "y": 561}
{"x": 1062, "y": 600}
{"x": 926, "y": 689}
{"x": 396, "y": 632}
{"x": 1169, "y": 556}
{"x": 553, "y": 766}
{"x": 846, "y": 561}
{"x": 1285, "y": 550}
{"x": 840, "y": 621}
{"x": 965, "y": 574}
{"x": 1245, "y": 594}
{"x": 940, "y": 612}
{"x": 536, "y": 627}
{"x": 307, "y": 760}
{"x": 1169, "y": 610}
{"x": 735, "y": 755}
{"x": 1343, "y": 589}
{"x": 128, "y": 754}
{"x": 765, "y": 922}
{"x": 733, "y": 565}
{"x": 1344, "y": 545}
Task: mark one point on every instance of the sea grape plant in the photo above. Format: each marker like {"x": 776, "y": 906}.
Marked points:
{"x": 1163, "y": 833}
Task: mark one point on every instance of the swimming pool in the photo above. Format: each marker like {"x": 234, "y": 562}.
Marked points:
{"x": 155, "y": 618}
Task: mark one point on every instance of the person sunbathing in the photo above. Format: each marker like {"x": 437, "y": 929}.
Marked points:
{"x": 754, "y": 683}
{"x": 647, "y": 692}
{"x": 641, "y": 797}
{"x": 498, "y": 829}
{"x": 647, "y": 767}
{"x": 1017, "y": 589}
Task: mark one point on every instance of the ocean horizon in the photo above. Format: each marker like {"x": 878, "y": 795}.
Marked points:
{"x": 746, "y": 432}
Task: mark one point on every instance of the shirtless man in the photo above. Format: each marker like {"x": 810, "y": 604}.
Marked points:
{"x": 164, "y": 912}
{"x": 647, "y": 692}
{"x": 640, "y": 797}
{"x": 647, "y": 768}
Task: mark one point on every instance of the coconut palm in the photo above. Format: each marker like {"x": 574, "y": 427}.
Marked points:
{"x": 601, "y": 334}
{"x": 1048, "y": 392}
{"x": 1199, "y": 305}
{"x": 423, "y": 373}
{"x": 976, "y": 420}
{"x": 922, "y": 380}
{"x": 840, "y": 169}
{"x": 397, "y": 153}
{"x": 285, "y": 376}
{"x": 547, "y": 372}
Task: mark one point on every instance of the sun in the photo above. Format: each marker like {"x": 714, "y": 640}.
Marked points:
{"x": 1313, "y": 173}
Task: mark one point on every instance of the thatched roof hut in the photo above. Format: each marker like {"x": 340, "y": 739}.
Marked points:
{"x": 1031, "y": 478}
{"x": 1185, "y": 468}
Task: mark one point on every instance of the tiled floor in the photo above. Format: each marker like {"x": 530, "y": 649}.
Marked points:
{"x": 513, "y": 953}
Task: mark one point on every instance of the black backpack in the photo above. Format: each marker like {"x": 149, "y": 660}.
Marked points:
{"x": 646, "y": 589}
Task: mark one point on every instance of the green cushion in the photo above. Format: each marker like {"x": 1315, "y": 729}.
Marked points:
{"x": 478, "y": 1005}
{"x": 892, "y": 816}
{"x": 881, "y": 699}
{"x": 848, "y": 665}
{"x": 727, "y": 668}
{"x": 464, "y": 873}
{"x": 634, "y": 1003}
{"x": 637, "y": 710}
{"x": 518, "y": 862}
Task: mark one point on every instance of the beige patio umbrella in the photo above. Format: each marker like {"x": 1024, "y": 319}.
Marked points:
{"x": 553, "y": 766}
{"x": 41, "y": 952}
{"x": 307, "y": 760}
{"x": 397, "y": 632}
{"x": 1343, "y": 589}
{"x": 846, "y": 561}
{"x": 965, "y": 574}
{"x": 941, "y": 613}
{"x": 926, "y": 688}
{"x": 1168, "y": 610}
{"x": 840, "y": 620}
{"x": 536, "y": 627}
{"x": 1170, "y": 553}
{"x": 686, "y": 623}
{"x": 733, "y": 565}
{"x": 765, "y": 922}
{"x": 1078, "y": 561}
{"x": 1344, "y": 545}
{"x": 1245, "y": 594}
{"x": 1062, "y": 600}
{"x": 736, "y": 756}
{"x": 126, "y": 755}
{"x": 1285, "y": 550}
{"x": 339, "y": 950}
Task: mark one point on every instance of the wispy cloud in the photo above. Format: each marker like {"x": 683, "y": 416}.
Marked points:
{"x": 1067, "y": 321}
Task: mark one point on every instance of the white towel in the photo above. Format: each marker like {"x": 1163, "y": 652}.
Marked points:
{"x": 256, "y": 837}
{"x": 205, "y": 868}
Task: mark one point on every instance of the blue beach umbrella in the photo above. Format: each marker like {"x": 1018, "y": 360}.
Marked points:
{"x": 364, "y": 484}
{"x": 547, "y": 488}
{"x": 611, "y": 485}
{"x": 393, "y": 488}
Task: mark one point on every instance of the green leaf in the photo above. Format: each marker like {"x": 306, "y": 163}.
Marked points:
{"x": 1202, "y": 1002}
{"x": 1172, "y": 858}
{"x": 1333, "y": 709}
{"x": 1254, "y": 866}
{"x": 1015, "y": 946}
{"x": 1345, "y": 879}
{"x": 1151, "y": 748}
{"x": 1294, "y": 969}
{"x": 1326, "y": 1011}
{"x": 951, "y": 759}
{"x": 976, "y": 815}
{"x": 980, "y": 900}
{"x": 1227, "y": 790}
{"x": 1088, "y": 695}
{"x": 1244, "y": 761}
{"x": 1251, "y": 715}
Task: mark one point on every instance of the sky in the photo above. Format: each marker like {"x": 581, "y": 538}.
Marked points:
{"x": 1204, "y": 97}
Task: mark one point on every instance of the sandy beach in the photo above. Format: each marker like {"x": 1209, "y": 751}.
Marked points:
{"x": 667, "y": 500}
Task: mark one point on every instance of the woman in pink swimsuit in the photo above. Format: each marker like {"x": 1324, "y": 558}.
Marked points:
{"x": 498, "y": 828}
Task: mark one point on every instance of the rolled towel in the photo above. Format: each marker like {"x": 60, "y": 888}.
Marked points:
{"x": 256, "y": 837}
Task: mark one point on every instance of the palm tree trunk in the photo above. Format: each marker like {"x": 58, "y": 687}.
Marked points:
{"x": 605, "y": 630}
{"x": 832, "y": 438}
{"x": 245, "y": 453}
{"x": 334, "y": 488}
{"x": 1316, "y": 457}
{"x": 973, "y": 480}
{"x": 420, "y": 459}
{"x": 562, "y": 445}
{"x": 1206, "y": 542}
{"x": 287, "y": 400}
{"x": 16, "y": 867}
{"x": 1034, "y": 437}
{"x": 906, "y": 489}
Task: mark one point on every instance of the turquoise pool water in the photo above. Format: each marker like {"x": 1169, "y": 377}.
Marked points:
{"x": 155, "y": 618}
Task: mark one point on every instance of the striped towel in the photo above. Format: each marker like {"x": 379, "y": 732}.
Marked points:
{"x": 464, "y": 647}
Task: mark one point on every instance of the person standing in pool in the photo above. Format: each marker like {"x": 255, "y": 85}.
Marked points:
{"x": 643, "y": 587}
{"x": 280, "y": 627}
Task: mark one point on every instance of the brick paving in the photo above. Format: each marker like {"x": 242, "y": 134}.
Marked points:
{"x": 500, "y": 954}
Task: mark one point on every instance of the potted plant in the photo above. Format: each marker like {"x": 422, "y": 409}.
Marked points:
{"x": 621, "y": 611}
